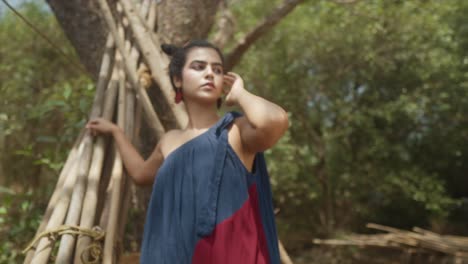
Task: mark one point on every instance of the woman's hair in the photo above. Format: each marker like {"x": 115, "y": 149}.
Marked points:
{"x": 179, "y": 56}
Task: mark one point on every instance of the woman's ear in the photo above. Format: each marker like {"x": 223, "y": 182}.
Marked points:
{"x": 177, "y": 82}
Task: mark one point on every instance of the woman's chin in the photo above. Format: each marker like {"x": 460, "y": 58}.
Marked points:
{"x": 204, "y": 100}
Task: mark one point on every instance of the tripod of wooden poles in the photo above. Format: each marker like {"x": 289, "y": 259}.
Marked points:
{"x": 88, "y": 208}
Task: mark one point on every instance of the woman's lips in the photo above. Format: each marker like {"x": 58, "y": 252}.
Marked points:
{"x": 211, "y": 85}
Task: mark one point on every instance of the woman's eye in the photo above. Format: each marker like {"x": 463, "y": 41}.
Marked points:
{"x": 198, "y": 67}
{"x": 218, "y": 70}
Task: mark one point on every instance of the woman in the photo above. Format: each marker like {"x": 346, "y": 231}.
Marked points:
{"x": 211, "y": 199}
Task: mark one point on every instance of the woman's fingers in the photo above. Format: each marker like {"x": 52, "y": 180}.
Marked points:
{"x": 96, "y": 126}
{"x": 228, "y": 82}
{"x": 233, "y": 75}
{"x": 229, "y": 79}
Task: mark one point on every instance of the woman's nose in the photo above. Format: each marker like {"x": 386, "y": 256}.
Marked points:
{"x": 209, "y": 72}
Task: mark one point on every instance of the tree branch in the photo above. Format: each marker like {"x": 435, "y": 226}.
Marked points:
{"x": 225, "y": 26}
{"x": 267, "y": 23}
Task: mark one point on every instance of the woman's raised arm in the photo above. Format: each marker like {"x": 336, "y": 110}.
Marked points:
{"x": 264, "y": 122}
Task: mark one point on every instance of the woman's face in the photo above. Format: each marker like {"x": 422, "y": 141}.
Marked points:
{"x": 202, "y": 76}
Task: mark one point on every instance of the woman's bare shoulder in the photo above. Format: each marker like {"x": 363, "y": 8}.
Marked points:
{"x": 169, "y": 141}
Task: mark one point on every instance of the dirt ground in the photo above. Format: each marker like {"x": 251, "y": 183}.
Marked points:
{"x": 348, "y": 255}
{"x": 355, "y": 255}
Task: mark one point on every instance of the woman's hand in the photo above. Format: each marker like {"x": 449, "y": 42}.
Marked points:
{"x": 101, "y": 125}
{"x": 236, "y": 85}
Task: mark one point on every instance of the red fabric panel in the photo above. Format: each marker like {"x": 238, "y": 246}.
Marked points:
{"x": 238, "y": 239}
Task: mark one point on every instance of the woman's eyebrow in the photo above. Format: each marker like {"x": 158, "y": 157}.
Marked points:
{"x": 204, "y": 62}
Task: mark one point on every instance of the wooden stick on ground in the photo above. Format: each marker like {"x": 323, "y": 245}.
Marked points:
{"x": 419, "y": 241}
{"x": 285, "y": 259}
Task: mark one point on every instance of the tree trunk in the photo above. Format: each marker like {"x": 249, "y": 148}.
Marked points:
{"x": 182, "y": 20}
{"x": 86, "y": 30}
{"x": 178, "y": 21}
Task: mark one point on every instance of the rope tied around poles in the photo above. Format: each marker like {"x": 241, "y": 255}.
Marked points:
{"x": 94, "y": 249}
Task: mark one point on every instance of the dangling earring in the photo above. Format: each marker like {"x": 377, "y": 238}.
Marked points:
{"x": 178, "y": 95}
{"x": 219, "y": 102}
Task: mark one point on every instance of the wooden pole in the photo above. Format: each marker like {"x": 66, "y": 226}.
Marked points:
{"x": 152, "y": 16}
{"x": 108, "y": 170}
{"x": 115, "y": 184}
{"x": 126, "y": 181}
{"x": 105, "y": 73}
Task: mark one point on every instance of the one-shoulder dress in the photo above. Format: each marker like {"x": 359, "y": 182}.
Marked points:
{"x": 206, "y": 207}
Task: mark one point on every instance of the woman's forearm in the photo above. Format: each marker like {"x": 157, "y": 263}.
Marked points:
{"x": 133, "y": 161}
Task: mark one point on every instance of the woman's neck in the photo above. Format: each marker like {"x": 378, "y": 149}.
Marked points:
{"x": 201, "y": 116}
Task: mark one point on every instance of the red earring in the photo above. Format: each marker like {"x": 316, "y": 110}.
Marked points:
{"x": 178, "y": 96}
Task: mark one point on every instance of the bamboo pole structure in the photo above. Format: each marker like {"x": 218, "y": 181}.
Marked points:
{"x": 67, "y": 245}
{"x": 91, "y": 197}
{"x": 113, "y": 191}
{"x": 155, "y": 59}
{"x": 130, "y": 113}
{"x": 153, "y": 120}
{"x": 117, "y": 184}
{"x": 71, "y": 159}
{"x": 90, "y": 200}
{"x": 102, "y": 81}
{"x": 143, "y": 82}
{"x": 44, "y": 246}
{"x": 43, "y": 249}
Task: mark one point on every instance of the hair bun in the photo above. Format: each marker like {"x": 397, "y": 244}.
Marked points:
{"x": 169, "y": 49}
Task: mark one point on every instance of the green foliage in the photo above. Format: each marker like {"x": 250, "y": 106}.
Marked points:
{"x": 19, "y": 215}
{"x": 376, "y": 92}
{"x": 44, "y": 99}
{"x": 43, "y": 106}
